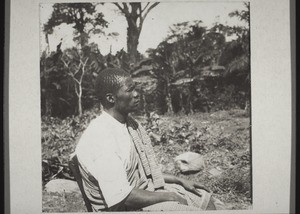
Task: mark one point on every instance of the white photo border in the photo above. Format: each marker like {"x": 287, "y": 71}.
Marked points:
{"x": 271, "y": 86}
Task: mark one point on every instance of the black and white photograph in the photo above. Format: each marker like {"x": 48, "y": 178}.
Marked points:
{"x": 145, "y": 106}
{"x": 137, "y": 106}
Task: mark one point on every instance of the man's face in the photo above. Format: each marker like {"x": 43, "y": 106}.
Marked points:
{"x": 127, "y": 98}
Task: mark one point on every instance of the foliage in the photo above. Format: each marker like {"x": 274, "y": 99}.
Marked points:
{"x": 197, "y": 68}
{"x": 62, "y": 202}
{"x": 181, "y": 63}
{"x": 193, "y": 69}
{"x": 52, "y": 168}
{"x": 222, "y": 138}
{"x": 67, "y": 80}
{"x": 82, "y": 16}
{"x": 55, "y": 86}
{"x": 236, "y": 56}
{"x": 59, "y": 136}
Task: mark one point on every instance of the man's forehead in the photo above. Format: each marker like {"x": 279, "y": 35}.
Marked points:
{"x": 125, "y": 83}
{"x": 128, "y": 81}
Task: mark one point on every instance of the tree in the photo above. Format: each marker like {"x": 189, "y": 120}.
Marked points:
{"x": 56, "y": 99}
{"x": 76, "y": 71}
{"x": 82, "y": 16}
{"x": 180, "y": 60}
{"x": 82, "y": 66}
{"x": 236, "y": 54}
{"x": 67, "y": 79}
{"x": 135, "y": 15}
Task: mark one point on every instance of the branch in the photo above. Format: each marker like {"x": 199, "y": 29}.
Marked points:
{"x": 49, "y": 69}
{"x": 120, "y": 8}
{"x": 149, "y": 9}
{"x": 66, "y": 64}
{"x": 76, "y": 80}
{"x": 197, "y": 59}
{"x": 77, "y": 69}
{"x": 142, "y": 18}
{"x": 123, "y": 10}
{"x": 83, "y": 68}
{"x": 84, "y": 64}
{"x": 145, "y": 7}
{"x": 70, "y": 73}
{"x": 89, "y": 31}
{"x": 76, "y": 91}
{"x": 126, "y": 8}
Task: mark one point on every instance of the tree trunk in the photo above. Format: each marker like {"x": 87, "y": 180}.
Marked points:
{"x": 79, "y": 106}
{"x": 168, "y": 96}
{"x": 133, "y": 35}
{"x": 169, "y": 103}
{"x": 135, "y": 17}
{"x": 161, "y": 98}
{"x": 190, "y": 103}
{"x": 79, "y": 100}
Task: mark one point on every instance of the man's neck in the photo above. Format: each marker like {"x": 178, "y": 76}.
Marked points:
{"x": 117, "y": 115}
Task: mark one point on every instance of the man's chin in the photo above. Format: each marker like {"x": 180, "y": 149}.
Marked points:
{"x": 133, "y": 109}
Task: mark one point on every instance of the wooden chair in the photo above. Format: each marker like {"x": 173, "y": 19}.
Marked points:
{"x": 73, "y": 164}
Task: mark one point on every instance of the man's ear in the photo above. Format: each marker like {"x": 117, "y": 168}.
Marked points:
{"x": 110, "y": 98}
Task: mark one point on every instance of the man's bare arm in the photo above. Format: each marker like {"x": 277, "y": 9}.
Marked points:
{"x": 172, "y": 179}
{"x": 189, "y": 185}
{"x": 139, "y": 198}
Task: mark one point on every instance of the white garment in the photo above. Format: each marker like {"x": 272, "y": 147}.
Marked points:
{"x": 104, "y": 150}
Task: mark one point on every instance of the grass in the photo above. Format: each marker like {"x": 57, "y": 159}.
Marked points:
{"x": 222, "y": 138}
{"x": 66, "y": 202}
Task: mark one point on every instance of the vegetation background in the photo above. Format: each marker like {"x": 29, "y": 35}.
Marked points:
{"x": 194, "y": 90}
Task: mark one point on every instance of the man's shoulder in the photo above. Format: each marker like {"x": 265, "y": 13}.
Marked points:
{"x": 99, "y": 123}
{"x": 97, "y": 129}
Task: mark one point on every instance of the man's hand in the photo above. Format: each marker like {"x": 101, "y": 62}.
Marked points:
{"x": 192, "y": 186}
{"x": 188, "y": 185}
{"x": 139, "y": 198}
{"x": 176, "y": 197}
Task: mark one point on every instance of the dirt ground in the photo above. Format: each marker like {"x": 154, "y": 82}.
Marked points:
{"x": 222, "y": 138}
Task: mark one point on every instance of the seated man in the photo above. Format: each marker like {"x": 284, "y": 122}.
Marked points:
{"x": 117, "y": 162}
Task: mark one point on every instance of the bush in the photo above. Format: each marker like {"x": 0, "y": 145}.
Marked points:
{"x": 59, "y": 139}
{"x": 222, "y": 138}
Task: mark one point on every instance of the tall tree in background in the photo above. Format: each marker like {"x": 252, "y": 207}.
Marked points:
{"x": 135, "y": 15}
{"x": 76, "y": 69}
{"x": 82, "y": 16}
{"x": 77, "y": 63}
{"x": 236, "y": 54}
{"x": 67, "y": 79}
{"x": 179, "y": 62}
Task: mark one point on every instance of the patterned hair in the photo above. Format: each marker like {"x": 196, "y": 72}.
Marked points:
{"x": 109, "y": 81}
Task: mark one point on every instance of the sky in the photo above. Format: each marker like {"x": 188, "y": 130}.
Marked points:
{"x": 155, "y": 28}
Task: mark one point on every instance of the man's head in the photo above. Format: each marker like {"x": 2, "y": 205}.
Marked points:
{"x": 115, "y": 89}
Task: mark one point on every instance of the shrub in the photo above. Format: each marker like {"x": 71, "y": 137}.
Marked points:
{"x": 59, "y": 139}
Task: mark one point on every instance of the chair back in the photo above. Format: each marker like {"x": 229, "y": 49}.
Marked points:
{"x": 73, "y": 164}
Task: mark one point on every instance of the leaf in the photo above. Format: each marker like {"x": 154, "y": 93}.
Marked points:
{"x": 183, "y": 81}
{"x": 97, "y": 31}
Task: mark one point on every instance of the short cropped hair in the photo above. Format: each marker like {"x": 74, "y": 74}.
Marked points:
{"x": 109, "y": 80}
